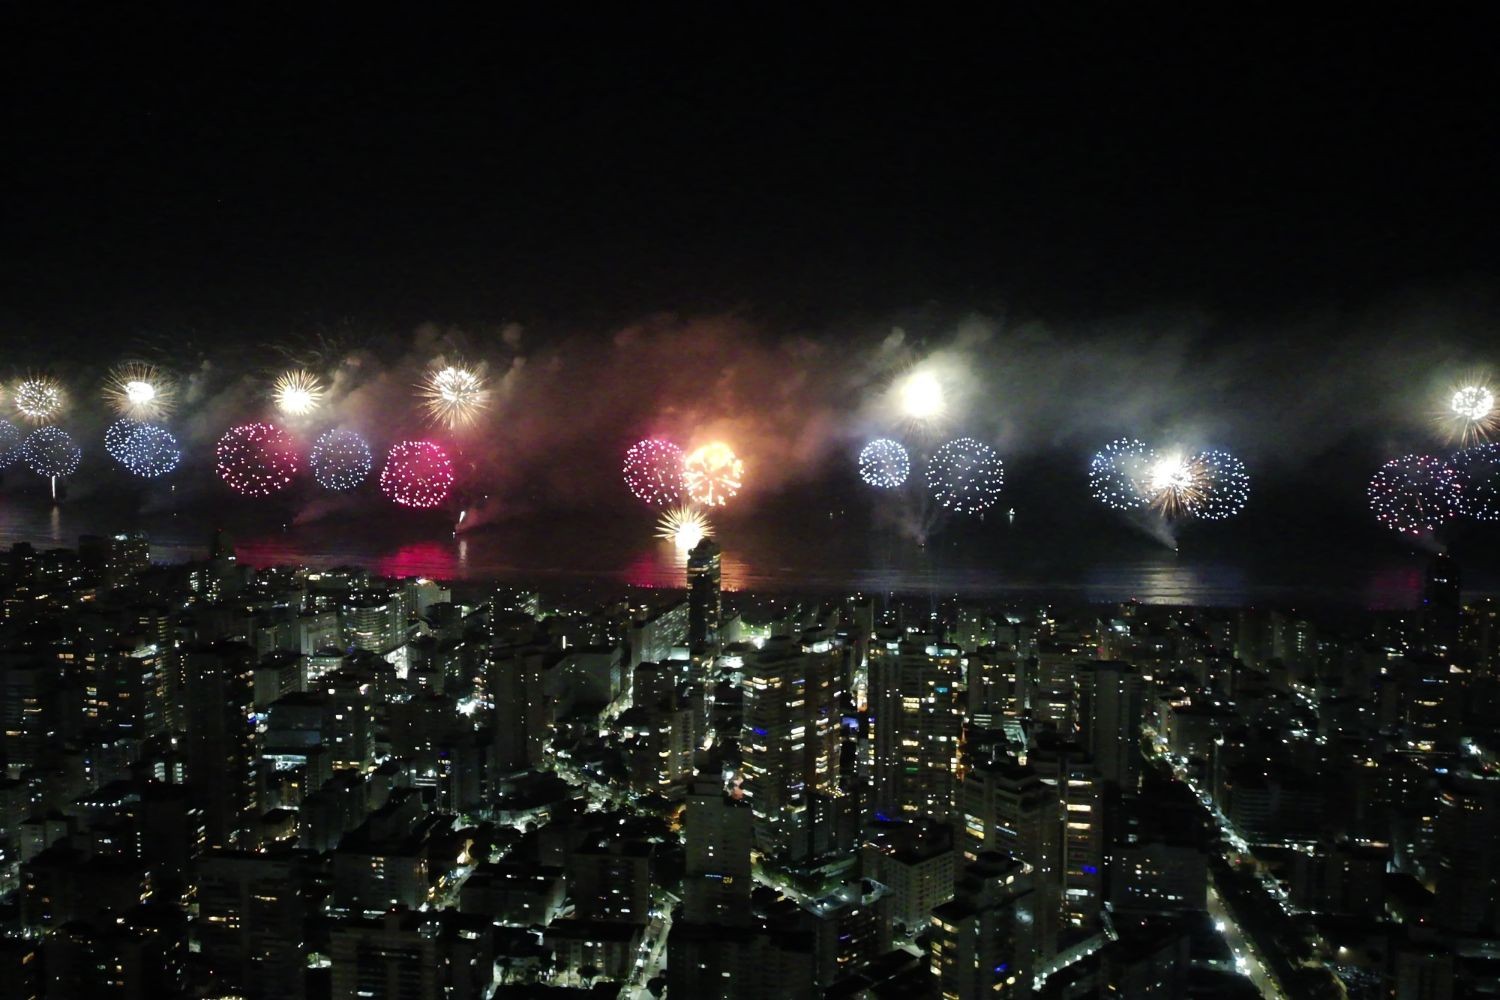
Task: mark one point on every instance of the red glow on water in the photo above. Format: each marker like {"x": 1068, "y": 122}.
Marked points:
{"x": 434, "y": 559}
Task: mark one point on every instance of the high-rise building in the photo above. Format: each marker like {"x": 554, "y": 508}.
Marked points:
{"x": 1110, "y": 695}
{"x": 609, "y": 881}
{"x": 1467, "y": 830}
{"x": 514, "y": 679}
{"x": 982, "y": 941}
{"x": 916, "y": 723}
{"x": 997, "y": 686}
{"x": 705, "y": 600}
{"x": 718, "y": 835}
{"x": 1006, "y": 808}
{"x": 1054, "y": 703}
{"x": 1080, "y": 837}
{"x": 373, "y": 622}
{"x": 221, "y": 752}
{"x": 251, "y": 917}
{"x": 413, "y": 956}
{"x": 1442, "y": 605}
{"x": 790, "y": 741}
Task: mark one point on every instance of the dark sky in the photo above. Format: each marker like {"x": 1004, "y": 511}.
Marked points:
{"x": 239, "y": 176}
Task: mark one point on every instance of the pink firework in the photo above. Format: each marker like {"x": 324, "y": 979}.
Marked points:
{"x": 653, "y": 471}
{"x": 257, "y": 459}
{"x": 417, "y": 474}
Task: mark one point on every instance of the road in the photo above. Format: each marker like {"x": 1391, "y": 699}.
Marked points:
{"x": 1247, "y": 960}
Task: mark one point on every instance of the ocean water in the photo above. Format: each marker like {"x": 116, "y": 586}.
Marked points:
{"x": 800, "y": 544}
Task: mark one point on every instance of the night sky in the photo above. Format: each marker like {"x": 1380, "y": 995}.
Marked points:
{"x": 1274, "y": 237}
{"x": 245, "y": 177}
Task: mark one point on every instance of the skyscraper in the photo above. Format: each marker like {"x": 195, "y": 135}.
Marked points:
{"x": 790, "y": 743}
{"x": 1109, "y": 712}
{"x": 1442, "y": 605}
{"x": 917, "y": 721}
{"x": 220, "y": 743}
{"x": 717, "y": 836}
{"x": 1006, "y": 808}
{"x": 705, "y": 602}
{"x": 982, "y": 941}
{"x": 1080, "y": 835}
{"x": 514, "y": 679}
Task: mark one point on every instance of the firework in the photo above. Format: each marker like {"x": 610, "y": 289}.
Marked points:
{"x": 1478, "y": 474}
{"x": 1415, "y": 494}
{"x": 684, "y": 527}
{"x": 922, "y": 396}
{"x": 1471, "y": 408}
{"x": 117, "y": 437}
{"x": 139, "y": 391}
{"x": 52, "y": 452}
{"x": 713, "y": 474}
{"x": 149, "y": 451}
{"x": 883, "y": 463}
{"x": 10, "y": 443}
{"x": 454, "y": 396}
{"x": 653, "y": 471}
{"x": 297, "y": 392}
{"x": 1222, "y": 486}
{"x": 340, "y": 460}
{"x": 39, "y": 399}
{"x": 1118, "y": 474}
{"x": 1174, "y": 483}
{"x": 965, "y": 476}
{"x": 417, "y": 474}
{"x": 256, "y": 459}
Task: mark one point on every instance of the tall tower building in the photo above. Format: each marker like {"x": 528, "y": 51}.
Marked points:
{"x": 1467, "y": 829}
{"x": 1110, "y": 696}
{"x": 997, "y": 686}
{"x": 220, "y": 743}
{"x": 982, "y": 942}
{"x": 790, "y": 741}
{"x": 1006, "y": 808}
{"x": 705, "y": 602}
{"x": 1442, "y": 605}
{"x": 514, "y": 679}
{"x": 718, "y": 836}
{"x": 916, "y": 723}
{"x": 1080, "y": 834}
{"x": 374, "y": 622}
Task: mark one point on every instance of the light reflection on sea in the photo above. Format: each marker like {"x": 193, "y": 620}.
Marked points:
{"x": 759, "y": 554}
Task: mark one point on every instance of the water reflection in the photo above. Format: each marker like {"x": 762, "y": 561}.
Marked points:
{"x": 785, "y": 554}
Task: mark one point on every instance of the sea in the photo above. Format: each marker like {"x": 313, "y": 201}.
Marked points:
{"x": 813, "y": 543}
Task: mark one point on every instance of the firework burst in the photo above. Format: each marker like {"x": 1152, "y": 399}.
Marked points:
{"x": 1415, "y": 494}
{"x": 713, "y": 474}
{"x": 653, "y": 471}
{"x": 39, "y": 399}
{"x": 417, "y": 474}
{"x": 138, "y": 391}
{"x": 1222, "y": 486}
{"x": 148, "y": 451}
{"x": 454, "y": 396}
{"x": 256, "y": 459}
{"x": 684, "y": 527}
{"x": 1174, "y": 484}
{"x": 297, "y": 392}
{"x": 340, "y": 460}
{"x": 884, "y": 463}
{"x": 922, "y": 397}
{"x": 51, "y": 451}
{"x": 117, "y": 435}
{"x": 1119, "y": 472}
{"x": 10, "y": 444}
{"x": 966, "y": 476}
{"x": 1478, "y": 474}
